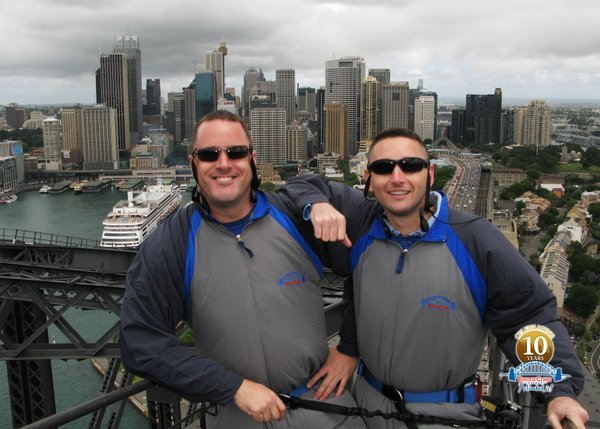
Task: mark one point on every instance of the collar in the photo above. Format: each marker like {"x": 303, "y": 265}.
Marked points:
{"x": 261, "y": 209}
{"x": 381, "y": 229}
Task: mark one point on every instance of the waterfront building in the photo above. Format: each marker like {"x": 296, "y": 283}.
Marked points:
{"x": 336, "y": 127}
{"x": 343, "y": 79}
{"x": 100, "y": 138}
{"x": 113, "y": 91}
{"x": 382, "y": 75}
{"x": 285, "y": 89}
{"x": 71, "y": 120}
{"x": 297, "y": 142}
{"x": 425, "y": 117}
{"x": 206, "y": 93}
{"x": 14, "y": 149}
{"x": 370, "y": 108}
{"x": 537, "y": 125}
{"x": 130, "y": 46}
{"x": 8, "y": 174}
{"x": 394, "y": 108}
{"x": 52, "y": 144}
{"x": 268, "y": 132}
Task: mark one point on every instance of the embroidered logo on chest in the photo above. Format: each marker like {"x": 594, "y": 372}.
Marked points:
{"x": 438, "y": 302}
{"x": 293, "y": 278}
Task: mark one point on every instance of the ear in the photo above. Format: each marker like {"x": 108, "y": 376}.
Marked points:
{"x": 365, "y": 175}
{"x": 431, "y": 172}
{"x": 190, "y": 159}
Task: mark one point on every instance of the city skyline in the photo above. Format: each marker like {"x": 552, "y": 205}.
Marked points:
{"x": 531, "y": 50}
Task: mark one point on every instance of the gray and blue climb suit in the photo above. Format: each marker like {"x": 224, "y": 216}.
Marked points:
{"x": 419, "y": 308}
{"x": 253, "y": 303}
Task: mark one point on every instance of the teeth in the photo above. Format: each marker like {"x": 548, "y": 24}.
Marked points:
{"x": 398, "y": 192}
{"x": 224, "y": 179}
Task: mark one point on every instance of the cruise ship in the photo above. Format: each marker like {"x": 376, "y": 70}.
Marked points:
{"x": 133, "y": 219}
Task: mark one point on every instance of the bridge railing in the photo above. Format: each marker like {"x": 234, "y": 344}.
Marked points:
{"x": 44, "y": 238}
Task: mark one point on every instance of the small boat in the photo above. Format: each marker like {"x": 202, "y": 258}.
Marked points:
{"x": 8, "y": 199}
{"x": 45, "y": 189}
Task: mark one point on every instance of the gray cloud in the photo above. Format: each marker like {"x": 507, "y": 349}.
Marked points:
{"x": 541, "y": 49}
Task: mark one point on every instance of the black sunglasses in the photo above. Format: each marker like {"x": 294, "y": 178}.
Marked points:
{"x": 407, "y": 165}
{"x": 211, "y": 154}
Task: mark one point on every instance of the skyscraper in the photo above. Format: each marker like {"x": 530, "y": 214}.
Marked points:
{"x": 189, "y": 96}
{"x": 370, "y": 115}
{"x": 483, "y": 117}
{"x": 538, "y": 124}
{"x": 268, "y": 132}
{"x": 113, "y": 83}
{"x": 343, "y": 79}
{"x": 100, "y": 138}
{"x": 130, "y": 46}
{"x": 297, "y": 142}
{"x": 72, "y": 128}
{"x": 336, "y": 126}
{"x": 285, "y": 81}
{"x": 206, "y": 93}
{"x": 153, "y": 100}
{"x": 215, "y": 62}
{"x": 251, "y": 79}
{"x": 425, "y": 117}
{"x": 52, "y": 143}
{"x": 382, "y": 75}
{"x": 519, "y": 125}
{"x": 394, "y": 109}
{"x": 307, "y": 100}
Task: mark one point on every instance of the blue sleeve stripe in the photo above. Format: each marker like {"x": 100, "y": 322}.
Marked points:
{"x": 189, "y": 261}
{"x": 287, "y": 224}
{"x": 470, "y": 272}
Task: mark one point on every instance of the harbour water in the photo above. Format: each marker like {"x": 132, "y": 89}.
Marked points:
{"x": 74, "y": 215}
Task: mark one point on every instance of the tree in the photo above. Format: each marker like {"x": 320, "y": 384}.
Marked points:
{"x": 590, "y": 157}
{"x": 583, "y": 299}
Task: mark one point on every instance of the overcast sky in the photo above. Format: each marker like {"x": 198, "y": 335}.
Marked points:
{"x": 547, "y": 49}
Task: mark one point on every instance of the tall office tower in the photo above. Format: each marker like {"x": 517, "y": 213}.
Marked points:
{"x": 336, "y": 126}
{"x": 483, "y": 118}
{"x": 425, "y": 117}
{"x": 206, "y": 93}
{"x": 223, "y": 50}
{"x": 153, "y": 101}
{"x": 251, "y": 79}
{"x": 538, "y": 124}
{"x": 52, "y": 143}
{"x": 130, "y": 46}
{"x": 343, "y": 79}
{"x": 114, "y": 92}
{"x": 320, "y": 143}
{"x": 100, "y": 138}
{"x": 285, "y": 89}
{"x": 297, "y": 142}
{"x": 508, "y": 128}
{"x": 179, "y": 116}
{"x": 519, "y": 125}
{"x": 370, "y": 108}
{"x": 307, "y": 100}
{"x": 267, "y": 129}
{"x": 189, "y": 96}
{"x": 72, "y": 128}
{"x": 435, "y": 109}
{"x": 394, "y": 106}
{"x": 420, "y": 85}
{"x": 382, "y": 75}
{"x": 457, "y": 129}
{"x": 215, "y": 62}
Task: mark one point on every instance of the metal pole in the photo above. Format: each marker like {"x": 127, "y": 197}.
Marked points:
{"x": 89, "y": 407}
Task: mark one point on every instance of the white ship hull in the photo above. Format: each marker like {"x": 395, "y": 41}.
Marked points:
{"x": 132, "y": 220}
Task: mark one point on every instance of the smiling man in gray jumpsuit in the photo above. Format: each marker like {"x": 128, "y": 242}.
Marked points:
{"x": 426, "y": 284}
{"x": 236, "y": 267}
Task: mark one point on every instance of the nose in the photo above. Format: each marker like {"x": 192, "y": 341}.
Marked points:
{"x": 223, "y": 160}
{"x": 397, "y": 173}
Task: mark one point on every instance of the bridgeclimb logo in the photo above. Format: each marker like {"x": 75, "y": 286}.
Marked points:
{"x": 293, "y": 278}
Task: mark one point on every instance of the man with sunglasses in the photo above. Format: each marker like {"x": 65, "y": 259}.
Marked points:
{"x": 234, "y": 265}
{"x": 426, "y": 283}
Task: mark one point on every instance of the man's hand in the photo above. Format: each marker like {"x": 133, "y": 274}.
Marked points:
{"x": 329, "y": 224}
{"x": 259, "y": 402}
{"x": 563, "y": 407}
{"x": 337, "y": 370}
